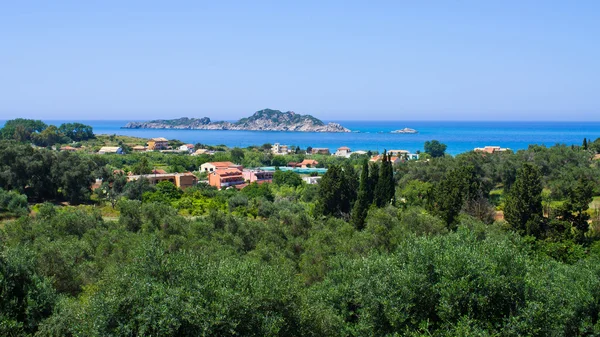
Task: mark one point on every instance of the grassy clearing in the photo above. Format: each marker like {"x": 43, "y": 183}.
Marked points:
{"x": 112, "y": 140}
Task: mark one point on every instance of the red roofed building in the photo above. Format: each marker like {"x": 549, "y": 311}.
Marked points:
{"x": 158, "y": 143}
{"x": 224, "y": 178}
{"x": 257, "y": 175}
{"x": 343, "y": 151}
{"x": 68, "y": 148}
{"x": 490, "y": 149}
{"x": 319, "y": 150}
{"x": 307, "y": 163}
{"x": 393, "y": 160}
{"x": 219, "y": 165}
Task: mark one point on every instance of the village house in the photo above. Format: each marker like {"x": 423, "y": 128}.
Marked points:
{"x": 181, "y": 180}
{"x": 312, "y": 180}
{"x": 227, "y": 177}
{"x": 319, "y": 150}
{"x": 187, "y": 148}
{"x": 158, "y": 144}
{"x": 110, "y": 149}
{"x": 219, "y": 165}
{"x": 139, "y": 148}
{"x": 403, "y": 154}
{"x": 343, "y": 151}
{"x": 202, "y": 151}
{"x": 68, "y": 148}
{"x": 257, "y": 175}
{"x": 279, "y": 149}
{"x": 490, "y": 149}
{"x": 308, "y": 163}
{"x": 393, "y": 160}
{"x": 397, "y": 153}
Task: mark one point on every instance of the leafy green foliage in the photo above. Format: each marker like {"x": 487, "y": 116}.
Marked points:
{"x": 13, "y": 203}
{"x": 48, "y": 137}
{"x": 294, "y": 259}
{"x": 255, "y": 190}
{"x": 237, "y": 155}
{"x": 523, "y": 209}
{"x": 26, "y": 298}
{"x": 164, "y": 191}
{"x": 385, "y": 190}
{"x": 361, "y": 206}
{"x": 287, "y": 118}
{"x": 76, "y": 131}
{"x": 288, "y": 178}
{"x": 46, "y": 175}
{"x": 21, "y": 129}
{"x": 435, "y": 149}
{"x": 337, "y": 191}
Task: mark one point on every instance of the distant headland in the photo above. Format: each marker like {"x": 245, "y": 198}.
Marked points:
{"x": 263, "y": 120}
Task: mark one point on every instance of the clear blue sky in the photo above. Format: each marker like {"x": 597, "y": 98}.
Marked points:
{"x": 337, "y": 60}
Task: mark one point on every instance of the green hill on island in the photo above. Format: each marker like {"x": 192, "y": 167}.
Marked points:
{"x": 263, "y": 120}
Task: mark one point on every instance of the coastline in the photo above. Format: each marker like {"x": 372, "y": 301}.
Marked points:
{"x": 459, "y": 136}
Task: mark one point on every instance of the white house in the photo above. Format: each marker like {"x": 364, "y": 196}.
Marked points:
{"x": 279, "y": 149}
{"x": 403, "y": 154}
{"x": 219, "y": 165}
{"x": 110, "y": 149}
{"x": 187, "y": 148}
{"x": 343, "y": 151}
{"x": 312, "y": 180}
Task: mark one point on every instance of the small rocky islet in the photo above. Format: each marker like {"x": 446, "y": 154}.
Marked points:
{"x": 405, "y": 130}
{"x": 263, "y": 120}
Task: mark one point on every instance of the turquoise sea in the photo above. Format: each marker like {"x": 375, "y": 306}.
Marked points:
{"x": 460, "y": 136}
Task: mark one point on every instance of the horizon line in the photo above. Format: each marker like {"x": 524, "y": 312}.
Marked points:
{"x": 332, "y": 120}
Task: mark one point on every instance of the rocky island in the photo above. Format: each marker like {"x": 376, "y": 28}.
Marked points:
{"x": 263, "y": 120}
{"x": 405, "y": 130}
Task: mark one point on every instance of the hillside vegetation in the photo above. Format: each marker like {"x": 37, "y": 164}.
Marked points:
{"x": 504, "y": 244}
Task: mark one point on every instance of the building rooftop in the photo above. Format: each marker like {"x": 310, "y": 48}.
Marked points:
{"x": 67, "y": 148}
{"x": 109, "y": 149}
{"x": 227, "y": 172}
{"x": 489, "y": 149}
{"x": 222, "y": 163}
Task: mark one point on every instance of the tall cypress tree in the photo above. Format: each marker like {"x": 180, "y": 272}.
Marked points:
{"x": 459, "y": 185}
{"x": 390, "y": 187}
{"x": 523, "y": 208}
{"x": 337, "y": 191}
{"x": 378, "y": 193}
{"x": 372, "y": 183}
{"x": 384, "y": 191}
{"x": 361, "y": 206}
{"x": 330, "y": 188}
{"x": 585, "y": 144}
{"x": 349, "y": 189}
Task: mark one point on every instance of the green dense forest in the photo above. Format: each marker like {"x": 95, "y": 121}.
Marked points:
{"x": 504, "y": 244}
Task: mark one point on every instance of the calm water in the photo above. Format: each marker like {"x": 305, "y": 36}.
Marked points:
{"x": 459, "y": 136}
